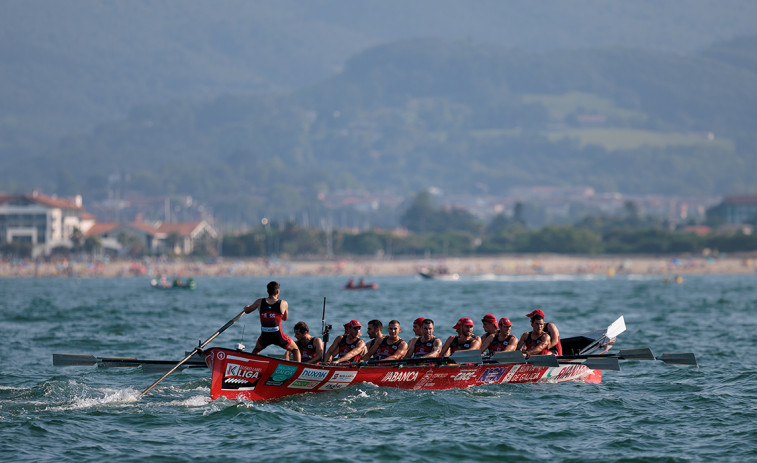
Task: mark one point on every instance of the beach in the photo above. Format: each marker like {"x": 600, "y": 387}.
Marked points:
{"x": 548, "y": 264}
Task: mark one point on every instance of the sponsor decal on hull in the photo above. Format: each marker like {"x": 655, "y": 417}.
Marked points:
{"x": 281, "y": 375}
{"x": 397, "y": 376}
{"x": 240, "y": 377}
{"x": 492, "y": 375}
{"x": 339, "y": 380}
{"x": 309, "y": 378}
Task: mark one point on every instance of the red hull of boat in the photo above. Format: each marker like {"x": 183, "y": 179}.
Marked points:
{"x": 239, "y": 375}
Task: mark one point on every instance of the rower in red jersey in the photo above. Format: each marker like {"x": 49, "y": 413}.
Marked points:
{"x": 272, "y": 311}
{"x": 349, "y": 347}
{"x": 465, "y": 340}
{"x": 490, "y": 327}
{"x": 426, "y": 345}
{"x": 391, "y": 346}
{"x": 535, "y": 342}
{"x": 311, "y": 348}
{"x": 502, "y": 340}
{"x": 551, "y": 329}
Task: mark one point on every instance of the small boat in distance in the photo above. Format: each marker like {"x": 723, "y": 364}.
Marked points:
{"x": 163, "y": 283}
{"x": 360, "y": 285}
{"x": 440, "y": 273}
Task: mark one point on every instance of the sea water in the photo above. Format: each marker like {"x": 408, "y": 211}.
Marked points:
{"x": 648, "y": 411}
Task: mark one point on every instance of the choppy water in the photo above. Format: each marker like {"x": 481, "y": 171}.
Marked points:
{"x": 646, "y": 412}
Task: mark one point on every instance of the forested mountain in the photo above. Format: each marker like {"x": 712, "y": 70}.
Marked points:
{"x": 213, "y": 109}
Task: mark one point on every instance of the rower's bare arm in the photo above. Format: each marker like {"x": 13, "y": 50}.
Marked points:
{"x": 284, "y": 310}
{"x": 486, "y": 344}
{"x": 522, "y": 341}
{"x": 445, "y": 348}
{"x": 554, "y": 334}
{"x": 371, "y": 351}
{"x": 352, "y": 354}
{"x": 512, "y": 342}
{"x": 476, "y": 344}
{"x": 318, "y": 344}
{"x": 437, "y": 349}
{"x": 401, "y": 350}
{"x": 410, "y": 348}
{"x": 544, "y": 344}
{"x": 332, "y": 350}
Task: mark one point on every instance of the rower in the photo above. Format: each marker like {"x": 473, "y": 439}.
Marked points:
{"x": 535, "y": 342}
{"x": 502, "y": 341}
{"x": 490, "y": 326}
{"x": 418, "y": 326}
{"x": 348, "y": 347}
{"x": 272, "y": 311}
{"x": 311, "y": 348}
{"x": 390, "y": 347}
{"x": 465, "y": 340}
{"x": 550, "y": 328}
{"x": 374, "y": 332}
{"x": 426, "y": 345}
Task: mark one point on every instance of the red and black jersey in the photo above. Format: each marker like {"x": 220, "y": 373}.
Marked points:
{"x": 385, "y": 349}
{"x": 307, "y": 350}
{"x": 270, "y": 316}
{"x": 423, "y": 347}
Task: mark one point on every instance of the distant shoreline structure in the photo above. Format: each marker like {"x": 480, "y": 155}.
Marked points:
{"x": 537, "y": 264}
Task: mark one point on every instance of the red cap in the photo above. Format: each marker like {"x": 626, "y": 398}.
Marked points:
{"x": 505, "y": 321}
{"x": 457, "y": 326}
{"x": 355, "y": 324}
{"x": 419, "y": 321}
{"x": 536, "y": 312}
{"x": 489, "y": 318}
{"x": 465, "y": 321}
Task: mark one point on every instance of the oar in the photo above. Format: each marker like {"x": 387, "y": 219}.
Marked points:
{"x": 643, "y": 353}
{"x": 612, "y": 331}
{"x": 196, "y": 349}
{"x": 516, "y": 357}
{"x": 679, "y": 358}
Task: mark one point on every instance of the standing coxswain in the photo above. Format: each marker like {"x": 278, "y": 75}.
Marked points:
{"x": 272, "y": 311}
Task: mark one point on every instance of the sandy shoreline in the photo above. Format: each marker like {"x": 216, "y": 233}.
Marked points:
{"x": 495, "y": 265}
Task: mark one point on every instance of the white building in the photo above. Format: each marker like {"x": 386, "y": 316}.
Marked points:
{"x": 42, "y": 221}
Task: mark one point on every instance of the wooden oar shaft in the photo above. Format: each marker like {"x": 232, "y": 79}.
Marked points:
{"x": 196, "y": 349}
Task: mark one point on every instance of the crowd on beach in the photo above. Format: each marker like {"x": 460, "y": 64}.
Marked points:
{"x": 483, "y": 265}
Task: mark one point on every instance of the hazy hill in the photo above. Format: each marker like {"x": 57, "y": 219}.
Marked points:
{"x": 464, "y": 117}
{"x": 69, "y": 65}
{"x": 217, "y": 99}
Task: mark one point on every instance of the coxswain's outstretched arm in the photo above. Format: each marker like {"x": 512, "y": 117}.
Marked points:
{"x": 252, "y": 307}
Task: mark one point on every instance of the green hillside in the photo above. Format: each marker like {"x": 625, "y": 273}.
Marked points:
{"x": 413, "y": 114}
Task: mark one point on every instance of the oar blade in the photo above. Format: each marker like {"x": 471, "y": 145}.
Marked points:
{"x": 617, "y": 327}
{"x": 543, "y": 361}
{"x": 603, "y": 363}
{"x": 644, "y": 353}
{"x": 679, "y": 358}
{"x": 508, "y": 358}
{"x": 68, "y": 360}
{"x": 466, "y": 356}
{"x": 119, "y": 362}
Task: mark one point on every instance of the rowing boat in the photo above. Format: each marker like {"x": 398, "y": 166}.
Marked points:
{"x": 239, "y": 375}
